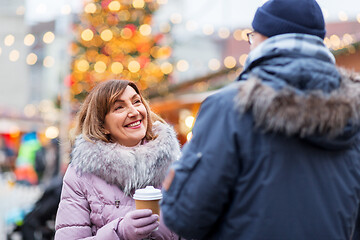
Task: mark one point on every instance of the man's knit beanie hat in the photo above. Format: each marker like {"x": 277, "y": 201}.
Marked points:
{"x": 289, "y": 16}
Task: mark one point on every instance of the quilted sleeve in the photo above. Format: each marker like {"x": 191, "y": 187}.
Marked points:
{"x": 73, "y": 215}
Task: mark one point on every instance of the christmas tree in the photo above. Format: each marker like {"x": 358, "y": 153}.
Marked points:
{"x": 114, "y": 39}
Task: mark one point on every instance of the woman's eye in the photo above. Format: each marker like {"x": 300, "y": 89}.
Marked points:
{"x": 119, "y": 107}
{"x": 137, "y": 101}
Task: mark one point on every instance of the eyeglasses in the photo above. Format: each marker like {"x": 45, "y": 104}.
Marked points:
{"x": 250, "y": 36}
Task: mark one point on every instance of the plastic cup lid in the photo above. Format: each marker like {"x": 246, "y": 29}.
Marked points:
{"x": 148, "y": 193}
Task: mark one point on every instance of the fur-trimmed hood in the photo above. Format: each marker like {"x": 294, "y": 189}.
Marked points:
{"x": 129, "y": 168}
{"x": 310, "y": 113}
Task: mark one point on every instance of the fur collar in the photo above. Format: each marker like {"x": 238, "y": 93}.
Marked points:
{"x": 312, "y": 112}
{"x": 129, "y": 168}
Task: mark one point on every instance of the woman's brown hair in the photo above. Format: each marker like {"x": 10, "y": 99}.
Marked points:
{"x": 91, "y": 116}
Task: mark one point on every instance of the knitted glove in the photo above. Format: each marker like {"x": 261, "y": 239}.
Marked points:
{"x": 137, "y": 224}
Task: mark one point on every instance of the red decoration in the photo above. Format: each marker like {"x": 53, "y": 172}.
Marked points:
{"x": 132, "y": 27}
{"x": 105, "y": 3}
{"x": 158, "y": 37}
{"x": 143, "y": 61}
{"x": 69, "y": 80}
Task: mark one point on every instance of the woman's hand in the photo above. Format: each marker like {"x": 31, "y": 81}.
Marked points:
{"x": 138, "y": 224}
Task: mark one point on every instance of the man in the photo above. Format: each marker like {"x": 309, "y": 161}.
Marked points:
{"x": 275, "y": 155}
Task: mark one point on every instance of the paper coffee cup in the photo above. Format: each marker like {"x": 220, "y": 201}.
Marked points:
{"x": 148, "y": 198}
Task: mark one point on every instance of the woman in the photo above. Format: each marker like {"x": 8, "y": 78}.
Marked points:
{"x": 120, "y": 146}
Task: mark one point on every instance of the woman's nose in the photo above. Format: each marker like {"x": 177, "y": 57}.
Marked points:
{"x": 132, "y": 111}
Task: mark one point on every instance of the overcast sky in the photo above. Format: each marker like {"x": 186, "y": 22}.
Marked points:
{"x": 230, "y": 13}
{"x": 235, "y": 13}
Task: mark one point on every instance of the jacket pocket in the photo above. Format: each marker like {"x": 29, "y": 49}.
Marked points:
{"x": 183, "y": 171}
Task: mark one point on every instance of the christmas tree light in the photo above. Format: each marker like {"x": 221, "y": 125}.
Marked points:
{"x": 114, "y": 39}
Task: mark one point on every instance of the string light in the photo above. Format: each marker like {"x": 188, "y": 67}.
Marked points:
{"x": 90, "y": 8}
{"x": 117, "y": 67}
{"x": 14, "y": 55}
{"x": 176, "y": 18}
{"x": 100, "y": 67}
{"x": 9, "y": 40}
{"x": 82, "y": 65}
{"x": 229, "y": 62}
{"x": 48, "y": 37}
{"x": 343, "y": 16}
{"x": 145, "y": 29}
{"x": 138, "y": 3}
{"x": 214, "y": 64}
{"x": 238, "y": 35}
{"x": 29, "y": 39}
{"x": 166, "y": 67}
{"x": 52, "y": 132}
{"x": 224, "y": 33}
{"x": 133, "y": 66}
{"x": 208, "y": 29}
{"x": 31, "y": 59}
{"x": 182, "y": 65}
{"x": 114, "y": 6}
{"x": 335, "y": 41}
{"x": 106, "y": 35}
{"x": 189, "y": 121}
{"x": 165, "y": 27}
{"x": 87, "y": 35}
{"x": 30, "y": 110}
{"x": 48, "y": 61}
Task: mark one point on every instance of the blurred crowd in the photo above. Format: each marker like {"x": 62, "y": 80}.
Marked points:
{"x": 34, "y": 162}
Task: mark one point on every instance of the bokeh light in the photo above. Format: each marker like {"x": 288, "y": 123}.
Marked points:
{"x": 90, "y": 8}
{"x": 182, "y": 66}
{"x": 31, "y": 59}
{"x": 166, "y": 67}
{"x": 14, "y": 55}
{"x": 229, "y": 62}
{"x": 49, "y": 61}
{"x": 214, "y": 64}
{"x": 87, "y": 35}
{"x": 134, "y": 66}
{"x": 29, "y": 39}
{"x": 106, "y": 35}
{"x": 114, "y": 6}
{"x": 82, "y": 65}
{"x": 117, "y": 67}
{"x": 48, "y": 37}
{"x": 100, "y": 67}
{"x": 9, "y": 40}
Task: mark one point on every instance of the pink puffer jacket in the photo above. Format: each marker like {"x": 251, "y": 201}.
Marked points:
{"x": 99, "y": 182}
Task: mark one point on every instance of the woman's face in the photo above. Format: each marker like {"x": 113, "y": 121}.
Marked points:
{"x": 126, "y": 122}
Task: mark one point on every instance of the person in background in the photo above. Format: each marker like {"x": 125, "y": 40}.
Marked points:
{"x": 25, "y": 162}
{"x": 275, "y": 155}
{"x": 47, "y": 161}
{"x": 120, "y": 146}
{"x": 7, "y": 157}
